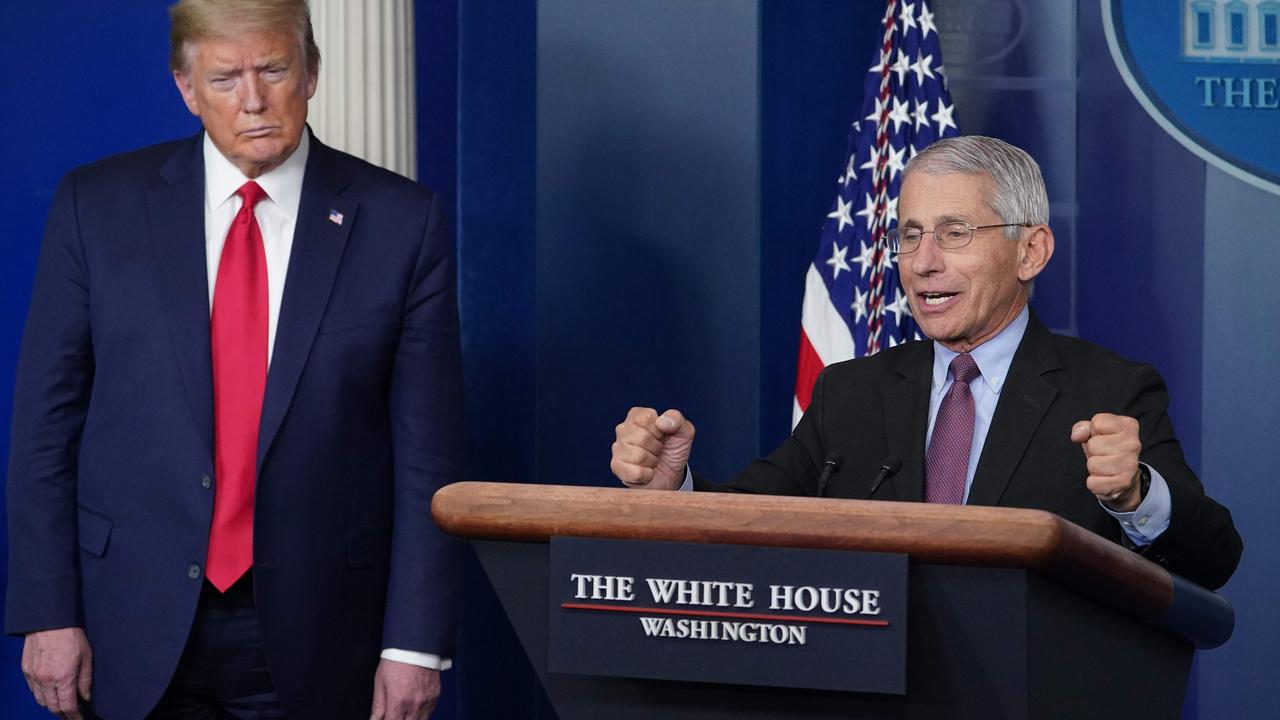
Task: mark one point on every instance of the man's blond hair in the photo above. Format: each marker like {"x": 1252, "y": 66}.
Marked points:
{"x": 194, "y": 20}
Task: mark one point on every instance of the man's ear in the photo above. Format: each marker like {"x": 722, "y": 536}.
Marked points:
{"x": 183, "y": 81}
{"x": 1034, "y": 251}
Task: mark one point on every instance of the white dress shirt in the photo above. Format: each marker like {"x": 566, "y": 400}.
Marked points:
{"x": 277, "y": 215}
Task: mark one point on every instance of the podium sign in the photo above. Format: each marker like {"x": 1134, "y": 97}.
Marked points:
{"x": 783, "y": 617}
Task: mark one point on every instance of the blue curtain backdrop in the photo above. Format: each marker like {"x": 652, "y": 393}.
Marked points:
{"x": 638, "y": 186}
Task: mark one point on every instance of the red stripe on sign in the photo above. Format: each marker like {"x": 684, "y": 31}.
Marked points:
{"x": 808, "y": 366}
{"x": 716, "y": 613}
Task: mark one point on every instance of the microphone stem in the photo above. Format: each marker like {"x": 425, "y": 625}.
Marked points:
{"x": 825, "y": 477}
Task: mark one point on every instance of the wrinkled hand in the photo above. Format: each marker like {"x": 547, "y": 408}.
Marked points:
{"x": 58, "y": 665}
{"x": 652, "y": 450}
{"x": 404, "y": 692}
{"x": 1111, "y": 446}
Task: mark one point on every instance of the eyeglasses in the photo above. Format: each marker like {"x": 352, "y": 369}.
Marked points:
{"x": 949, "y": 236}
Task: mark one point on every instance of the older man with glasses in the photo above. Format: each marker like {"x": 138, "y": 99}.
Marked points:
{"x": 993, "y": 409}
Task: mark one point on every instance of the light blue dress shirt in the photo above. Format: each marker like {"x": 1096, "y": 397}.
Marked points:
{"x": 994, "y": 357}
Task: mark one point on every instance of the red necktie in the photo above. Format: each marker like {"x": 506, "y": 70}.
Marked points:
{"x": 238, "y": 338}
{"x": 947, "y": 463}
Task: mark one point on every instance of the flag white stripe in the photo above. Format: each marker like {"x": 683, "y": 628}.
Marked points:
{"x": 826, "y": 329}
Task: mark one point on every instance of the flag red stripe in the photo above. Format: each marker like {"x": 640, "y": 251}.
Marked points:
{"x": 807, "y": 369}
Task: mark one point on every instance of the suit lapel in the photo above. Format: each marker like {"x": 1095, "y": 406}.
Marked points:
{"x": 318, "y": 245}
{"x": 1024, "y": 400}
{"x": 906, "y": 415}
{"x": 175, "y": 217}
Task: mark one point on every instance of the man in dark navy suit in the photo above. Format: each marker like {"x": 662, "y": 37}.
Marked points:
{"x": 239, "y": 388}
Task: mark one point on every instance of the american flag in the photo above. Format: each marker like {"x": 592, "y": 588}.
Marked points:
{"x": 853, "y": 303}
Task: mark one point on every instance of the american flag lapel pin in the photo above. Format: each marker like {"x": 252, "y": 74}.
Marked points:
{"x": 335, "y": 217}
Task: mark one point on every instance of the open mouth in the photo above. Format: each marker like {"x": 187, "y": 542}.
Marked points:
{"x": 932, "y": 299}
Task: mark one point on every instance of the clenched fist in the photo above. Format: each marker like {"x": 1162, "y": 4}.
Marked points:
{"x": 1111, "y": 446}
{"x": 651, "y": 450}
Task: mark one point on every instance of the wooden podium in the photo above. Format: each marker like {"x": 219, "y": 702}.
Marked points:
{"x": 1013, "y": 613}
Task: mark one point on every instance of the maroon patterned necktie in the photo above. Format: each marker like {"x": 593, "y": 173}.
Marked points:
{"x": 947, "y": 464}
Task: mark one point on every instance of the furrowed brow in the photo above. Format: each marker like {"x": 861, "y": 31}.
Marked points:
{"x": 223, "y": 71}
{"x": 269, "y": 63}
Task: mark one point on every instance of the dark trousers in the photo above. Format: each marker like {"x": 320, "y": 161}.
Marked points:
{"x": 223, "y": 670}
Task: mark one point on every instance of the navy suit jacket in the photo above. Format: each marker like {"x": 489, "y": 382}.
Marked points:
{"x": 112, "y": 449}
{"x": 869, "y": 409}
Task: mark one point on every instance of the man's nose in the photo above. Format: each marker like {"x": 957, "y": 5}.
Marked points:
{"x": 255, "y": 99}
{"x": 928, "y": 257}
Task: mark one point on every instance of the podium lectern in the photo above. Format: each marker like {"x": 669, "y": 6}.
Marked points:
{"x": 1012, "y": 613}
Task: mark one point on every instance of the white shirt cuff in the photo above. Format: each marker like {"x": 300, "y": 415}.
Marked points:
{"x": 426, "y": 660}
{"x": 688, "y": 480}
{"x": 1151, "y": 517}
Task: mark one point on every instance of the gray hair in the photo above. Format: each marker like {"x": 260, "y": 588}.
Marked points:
{"x": 1018, "y": 195}
{"x": 192, "y": 20}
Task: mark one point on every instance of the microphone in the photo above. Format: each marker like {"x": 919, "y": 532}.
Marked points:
{"x": 888, "y": 468}
{"x": 834, "y": 461}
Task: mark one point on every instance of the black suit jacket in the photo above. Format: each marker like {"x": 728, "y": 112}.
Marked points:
{"x": 868, "y": 409}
